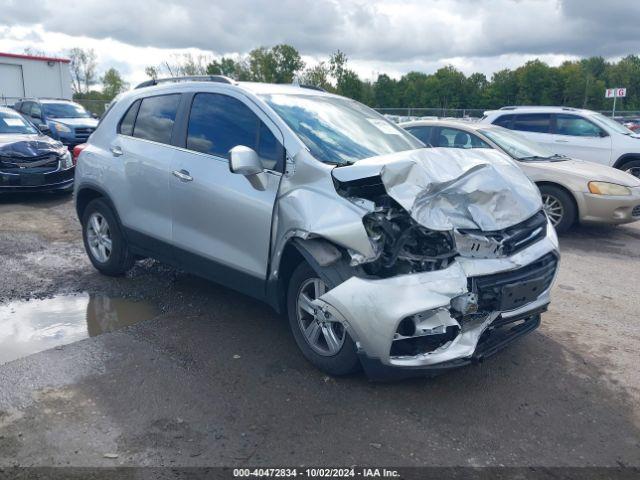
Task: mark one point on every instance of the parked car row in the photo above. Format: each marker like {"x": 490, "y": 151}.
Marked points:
{"x": 572, "y": 190}
{"x": 36, "y": 137}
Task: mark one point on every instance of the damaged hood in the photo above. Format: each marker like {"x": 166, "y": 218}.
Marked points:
{"x": 25, "y": 146}
{"x": 446, "y": 189}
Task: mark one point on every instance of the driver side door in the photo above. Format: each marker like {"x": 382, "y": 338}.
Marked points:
{"x": 221, "y": 223}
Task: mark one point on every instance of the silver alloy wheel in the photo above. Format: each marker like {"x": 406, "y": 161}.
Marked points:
{"x": 99, "y": 237}
{"x": 324, "y": 337}
{"x": 635, "y": 171}
{"x": 553, "y": 208}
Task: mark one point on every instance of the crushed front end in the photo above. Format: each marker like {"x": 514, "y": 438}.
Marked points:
{"x": 461, "y": 262}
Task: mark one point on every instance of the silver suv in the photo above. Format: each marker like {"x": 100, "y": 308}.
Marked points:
{"x": 382, "y": 253}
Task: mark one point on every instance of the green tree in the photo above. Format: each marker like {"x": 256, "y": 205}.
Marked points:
{"x": 113, "y": 84}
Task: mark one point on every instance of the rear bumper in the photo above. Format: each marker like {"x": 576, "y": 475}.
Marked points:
{"x": 609, "y": 209}
{"x": 37, "y": 182}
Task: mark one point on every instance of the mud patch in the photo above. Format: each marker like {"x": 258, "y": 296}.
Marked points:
{"x": 32, "y": 326}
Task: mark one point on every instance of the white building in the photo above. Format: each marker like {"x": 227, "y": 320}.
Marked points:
{"x": 31, "y": 76}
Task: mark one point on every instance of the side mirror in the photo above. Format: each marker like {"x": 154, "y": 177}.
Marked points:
{"x": 95, "y": 115}
{"x": 44, "y": 129}
{"x": 244, "y": 160}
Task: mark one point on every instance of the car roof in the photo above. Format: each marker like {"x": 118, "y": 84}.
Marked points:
{"x": 462, "y": 124}
{"x": 538, "y": 109}
{"x": 256, "y": 88}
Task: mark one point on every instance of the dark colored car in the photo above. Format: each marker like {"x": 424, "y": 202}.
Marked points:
{"x": 62, "y": 119}
{"x": 30, "y": 160}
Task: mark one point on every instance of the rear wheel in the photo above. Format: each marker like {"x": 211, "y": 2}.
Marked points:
{"x": 324, "y": 343}
{"x": 632, "y": 167}
{"x": 559, "y": 207}
{"x": 103, "y": 239}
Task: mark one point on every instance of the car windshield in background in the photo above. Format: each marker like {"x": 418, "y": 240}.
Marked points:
{"x": 516, "y": 145}
{"x": 12, "y": 123}
{"x": 65, "y": 110}
{"x": 338, "y": 130}
{"x": 612, "y": 124}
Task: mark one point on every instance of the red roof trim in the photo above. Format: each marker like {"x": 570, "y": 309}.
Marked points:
{"x": 34, "y": 57}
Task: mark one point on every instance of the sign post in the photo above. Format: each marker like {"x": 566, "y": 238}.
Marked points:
{"x": 615, "y": 93}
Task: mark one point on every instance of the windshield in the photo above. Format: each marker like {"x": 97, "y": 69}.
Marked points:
{"x": 611, "y": 123}
{"x": 13, "y": 123}
{"x": 516, "y": 145}
{"x": 338, "y": 130}
{"x": 64, "y": 110}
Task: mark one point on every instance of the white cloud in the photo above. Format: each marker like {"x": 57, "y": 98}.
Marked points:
{"x": 392, "y": 36}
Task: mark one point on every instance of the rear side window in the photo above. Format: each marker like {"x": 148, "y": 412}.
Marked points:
{"x": 532, "y": 122}
{"x": 218, "y": 123}
{"x": 576, "y": 126}
{"x": 504, "y": 121}
{"x": 421, "y": 133}
{"x": 126, "y": 124}
{"x": 156, "y": 117}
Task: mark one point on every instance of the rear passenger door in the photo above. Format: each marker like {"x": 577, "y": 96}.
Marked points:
{"x": 534, "y": 126}
{"x": 221, "y": 223}
{"x": 144, "y": 148}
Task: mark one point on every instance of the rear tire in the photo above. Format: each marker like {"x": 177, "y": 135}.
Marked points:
{"x": 333, "y": 351}
{"x": 559, "y": 207}
{"x": 104, "y": 241}
{"x": 632, "y": 168}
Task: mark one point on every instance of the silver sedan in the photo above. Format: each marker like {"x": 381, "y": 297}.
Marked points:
{"x": 572, "y": 190}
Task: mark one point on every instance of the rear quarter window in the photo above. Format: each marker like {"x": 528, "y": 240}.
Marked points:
{"x": 128, "y": 120}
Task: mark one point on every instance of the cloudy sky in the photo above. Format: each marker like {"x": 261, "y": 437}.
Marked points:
{"x": 392, "y": 36}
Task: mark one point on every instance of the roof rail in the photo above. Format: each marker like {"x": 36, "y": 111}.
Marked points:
{"x": 193, "y": 78}
{"x": 312, "y": 87}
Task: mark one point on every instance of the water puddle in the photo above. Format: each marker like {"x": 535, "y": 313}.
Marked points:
{"x": 32, "y": 326}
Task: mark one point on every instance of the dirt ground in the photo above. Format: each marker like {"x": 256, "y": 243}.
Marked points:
{"x": 215, "y": 378}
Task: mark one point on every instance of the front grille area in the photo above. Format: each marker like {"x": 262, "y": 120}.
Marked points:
{"x": 508, "y": 241}
{"x": 636, "y": 211}
{"x": 40, "y": 164}
{"x": 511, "y": 290}
{"x": 82, "y": 133}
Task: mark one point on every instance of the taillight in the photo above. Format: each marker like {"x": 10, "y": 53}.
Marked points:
{"x": 76, "y": 152}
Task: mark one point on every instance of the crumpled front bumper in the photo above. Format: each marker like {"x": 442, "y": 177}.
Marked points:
{"x": 372, "y": 309}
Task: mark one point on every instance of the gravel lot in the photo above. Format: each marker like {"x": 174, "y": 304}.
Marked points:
{"x": 216, "y": 379}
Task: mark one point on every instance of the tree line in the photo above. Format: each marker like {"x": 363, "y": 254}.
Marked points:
{"x": 577, "y": 83}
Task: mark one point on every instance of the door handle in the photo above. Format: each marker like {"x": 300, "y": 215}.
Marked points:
{"x": 183, "y": 175}
{"x": 561, "y": 141}
{"x": 116, "y": 151}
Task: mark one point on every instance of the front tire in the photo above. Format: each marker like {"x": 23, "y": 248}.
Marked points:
{"x": 104, "y": 241}
{"x": 559, "y": 207}
{"x": 327, "y": 345}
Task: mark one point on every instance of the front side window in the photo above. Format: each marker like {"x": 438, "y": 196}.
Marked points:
{"x": 217, "y": 123}
{"x": 13, "y": 123}
{"x": 65, "y": 110}
{"x": 36, "y": 111}
{"x": 156, "y": 117}
{"x": 576, "y": 126}
{"x": 337, "y": 130}
{"x": 422, "y": 133}
{"x": 532, "y": 122}
{"x": 455, "y": 138}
